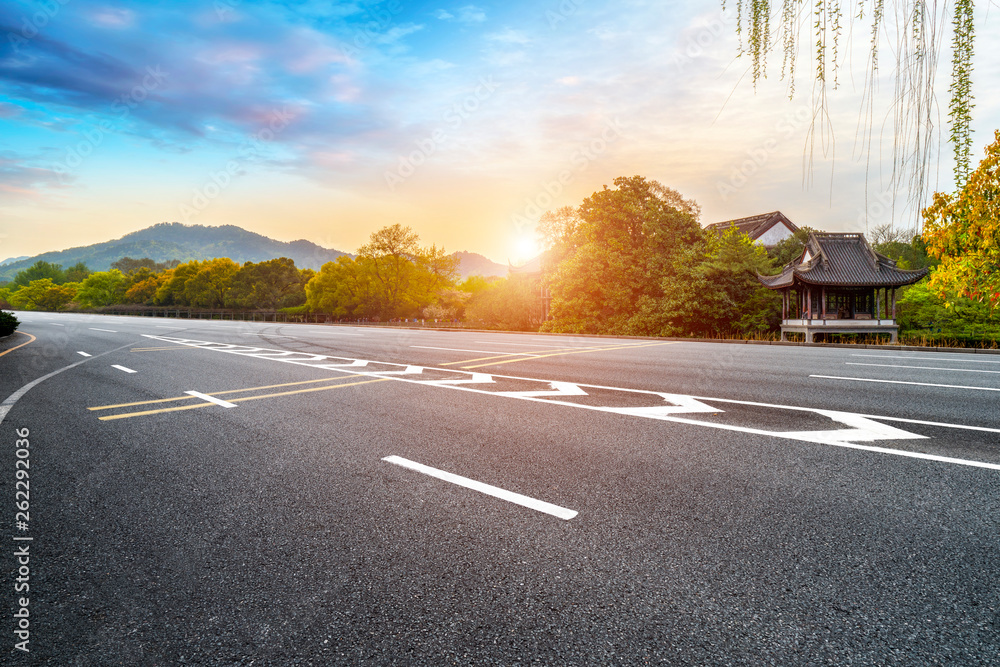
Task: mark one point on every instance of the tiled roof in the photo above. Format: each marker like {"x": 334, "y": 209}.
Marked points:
{"x": 845, "y": 260}
{"x": 755, "y": 225}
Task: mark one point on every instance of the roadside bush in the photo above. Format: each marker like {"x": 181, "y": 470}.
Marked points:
{"x": 8, "y": 323}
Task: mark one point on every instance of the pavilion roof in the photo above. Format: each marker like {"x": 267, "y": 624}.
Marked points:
{"x": 754, "y": 226}
{"x": 844, "y": 260}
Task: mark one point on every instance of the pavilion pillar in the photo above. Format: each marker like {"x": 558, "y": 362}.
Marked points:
{"x": 822, "y": 302}
{"x": 893, "y": 303}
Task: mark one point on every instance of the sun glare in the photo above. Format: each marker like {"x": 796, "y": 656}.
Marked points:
{"x": 525, "y": 248}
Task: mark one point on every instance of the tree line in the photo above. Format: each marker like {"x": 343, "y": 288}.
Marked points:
{"x": 629, "y": 260}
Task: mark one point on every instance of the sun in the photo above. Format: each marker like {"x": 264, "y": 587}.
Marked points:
{"x": 525, "y": 248}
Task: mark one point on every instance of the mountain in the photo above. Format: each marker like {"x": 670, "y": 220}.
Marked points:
{"x": 11, "y": 260}
{"x": 173, "y": 240}
{"x": 474, "y": 264}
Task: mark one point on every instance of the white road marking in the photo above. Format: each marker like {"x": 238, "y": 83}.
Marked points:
{"x": 919, "y": 384}
{"x": 211, "y": 399}
{"x": 458, "y": 349}
{"x": 57, "y": 325}
{"x": 164, "y": 326}
{"x": 926, "y": 368}
{"x": 83, "y": 354}
{"x": 122, "y": 368}
{"x": 864, "y": 428}
{"x": 488, "y": 489}
{"x": 557, "y": 389}
{"x": 108, "y": 330}
{"x": 960, "y": 358}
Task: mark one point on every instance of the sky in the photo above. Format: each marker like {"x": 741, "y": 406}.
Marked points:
{"x": 329, "y": 120}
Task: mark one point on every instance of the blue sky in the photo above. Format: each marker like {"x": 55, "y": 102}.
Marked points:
{"x": 326, "y": 121}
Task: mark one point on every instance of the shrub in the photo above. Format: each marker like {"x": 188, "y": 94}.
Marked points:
{"x": 8, "y": 323}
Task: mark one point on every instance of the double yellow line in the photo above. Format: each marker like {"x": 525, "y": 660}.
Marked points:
{"x": 540, "y": 355}
{"x": 205, "y": 404}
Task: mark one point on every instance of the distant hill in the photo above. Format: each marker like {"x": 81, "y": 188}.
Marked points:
{"x": 11, "y": 260}
{"x": 474, "y": 264}
{"x": 172, "y": 240}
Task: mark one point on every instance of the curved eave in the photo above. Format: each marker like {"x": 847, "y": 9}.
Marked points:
{"x": 908, "y": 278}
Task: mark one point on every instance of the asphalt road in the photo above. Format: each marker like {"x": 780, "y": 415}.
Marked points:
{"x": 319, "y": 499}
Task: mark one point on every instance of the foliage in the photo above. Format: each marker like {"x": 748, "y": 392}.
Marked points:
{"x": 43, "y": 294}
{"x": 963, "y": 231}
{"x": 790, "y": 249}
{"x": 908, "y": 253}
{"x": 917, "y": 27}
{"x": 919, "y": 307}
{"x": 129, "y": 265}
{"x": 611, "y": 258}
{"x": 510, "y": 304}
{"x": 38, "y": 271}
{"x": 269, "y": 285}
{"x": 392, "y": 277}
{"x": 77, "y": 273}
{"x": 8, "y": 323}
{"x": 104, "y": 288}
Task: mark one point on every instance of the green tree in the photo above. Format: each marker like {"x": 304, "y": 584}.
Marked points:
{"x": 77, "y": 273}
{"x": 40, "y": 270}
{"x": 614, "y": 255}
{"x": 104, "y": 288}
{"x": 345, "y": 288}
{"x": 209, "y": 286}
{"x": 42, "y": 294}
{"x": 173, "y": 286}
{"x": 271, "y": 285}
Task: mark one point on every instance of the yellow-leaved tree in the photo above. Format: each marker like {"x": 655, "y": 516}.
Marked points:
{"x": 963, "y": 231}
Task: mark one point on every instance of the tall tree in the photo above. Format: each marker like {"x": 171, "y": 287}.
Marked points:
{"x": 616, "y": 252}
{"x": 41, "y": 270}
{"x": 103, "y": 288}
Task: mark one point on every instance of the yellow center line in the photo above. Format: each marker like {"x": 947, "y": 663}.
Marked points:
{"x": 219, "y": 393}
{"x": 518, "y": 354}
{"x": 33, "y": 339}
{"x": 559, "y": 354}
{"x": 126, "y": 415}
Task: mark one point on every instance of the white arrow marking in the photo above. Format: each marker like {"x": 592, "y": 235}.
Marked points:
{"x": 558, "y": 389}
{"x": 681, "y": 405}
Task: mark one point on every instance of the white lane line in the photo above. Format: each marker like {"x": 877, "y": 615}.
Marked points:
{"x": 926, "y": 368}
{"x": 108, "y": 330}
{"x": 496, "y": 492}
{"x": 122, "y": 368}
{"x": 164, "y": 326}
{"x": 255, "y": 333}
{"x": 211, "y": 399}
{"x": 919, "y": 384}
{"x": 83, "y": 354}
{"x": 458, "y": 349}
{"x": 57, "y": 325}
{"x": 958, "y": 358}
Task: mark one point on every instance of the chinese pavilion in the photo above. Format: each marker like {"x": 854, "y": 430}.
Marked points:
{"x": 840, "y": 285}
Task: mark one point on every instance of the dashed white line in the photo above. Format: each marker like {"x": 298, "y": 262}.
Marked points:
{"x": 57, "y": 325}
{"x": 108, "y": 330}
{"x": 958, "y": 358}
{"x": 211, "y": 399}
{"x": 83, "y": 354}
{"x": 926, "y": 368}
{"x": 122, "y": 368}
{"x": 488, "y": 489}
{"x": 919, "y": 384}
{"x": 496, "y": 342}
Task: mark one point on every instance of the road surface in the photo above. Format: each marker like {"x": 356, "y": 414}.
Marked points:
{"x": 230, "y": 493}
